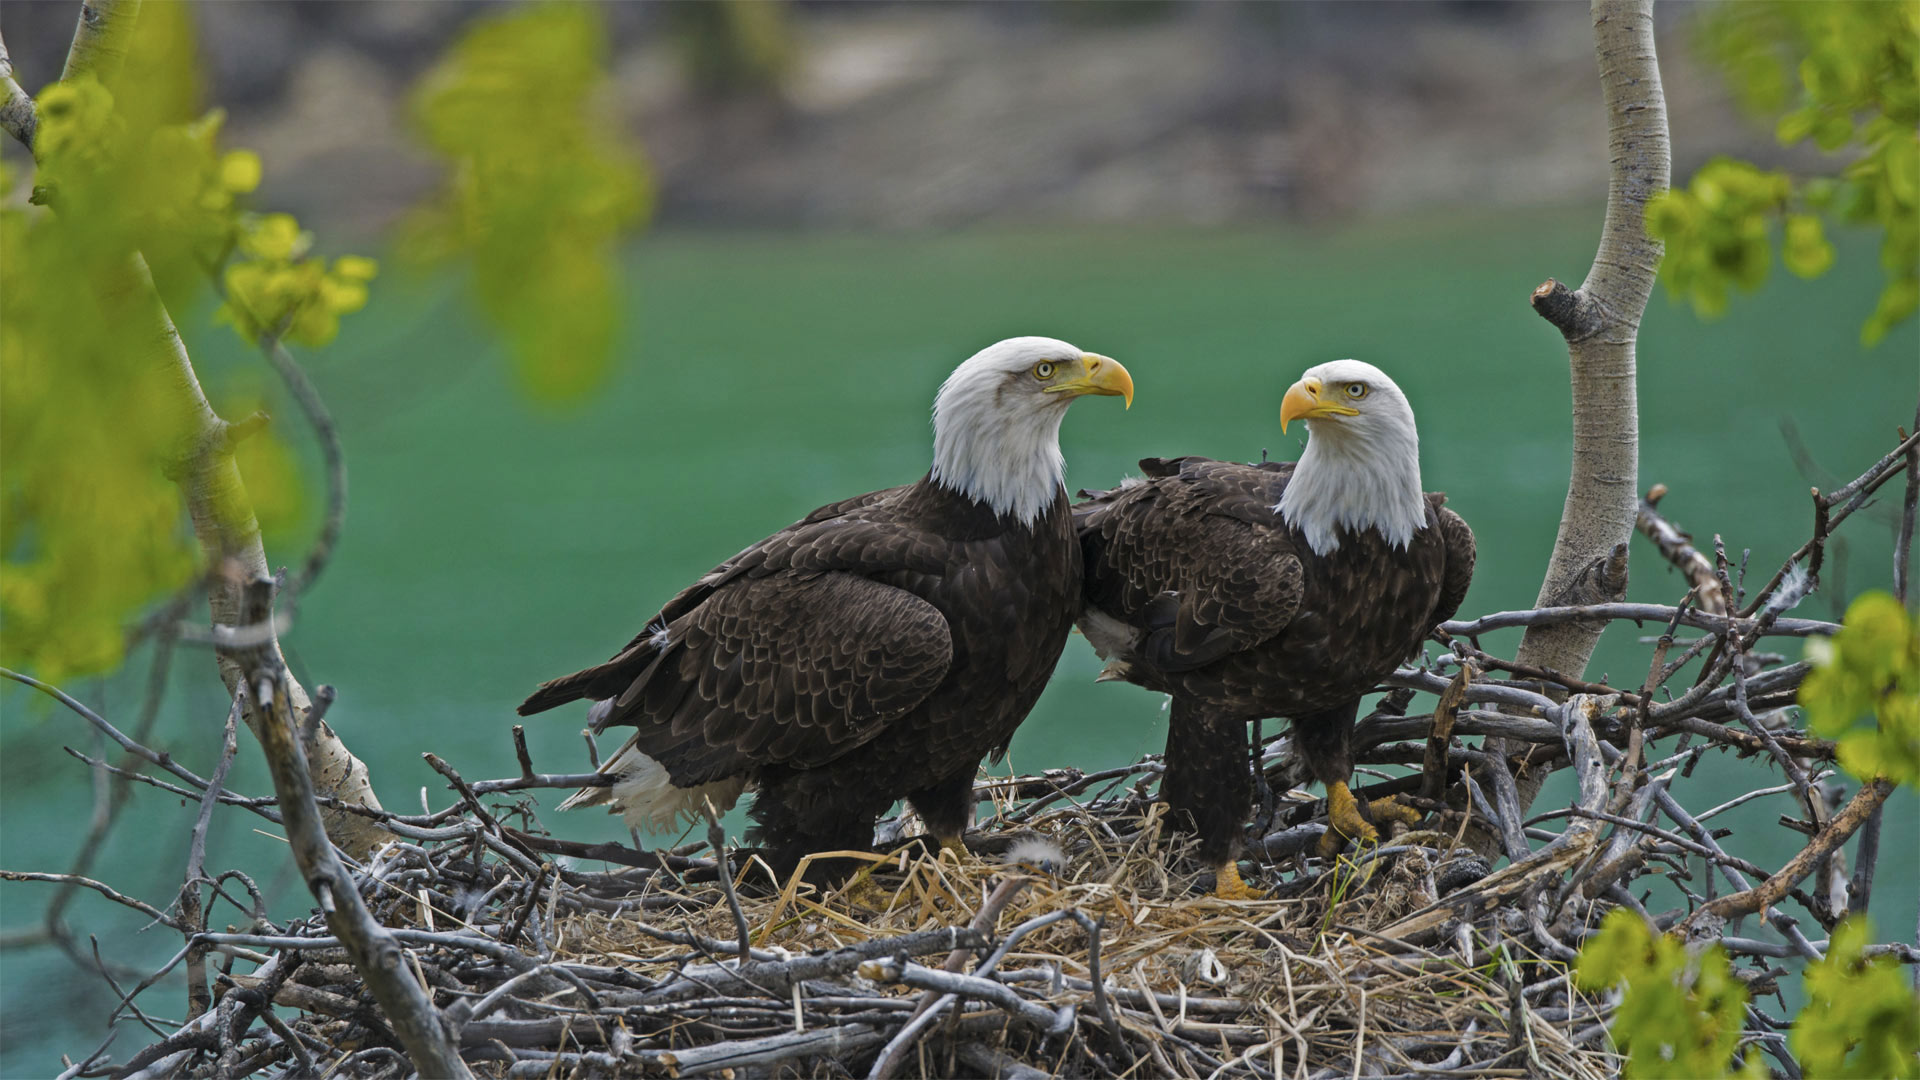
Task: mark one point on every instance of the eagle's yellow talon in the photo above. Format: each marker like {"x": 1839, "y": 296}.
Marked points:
{"x": 863, "y": 892}
{"x": 1391, "y": 810}
{"x": 957, "y": 846}
{"x": 1344, "y": 822}
{"x": 1228, "y": 886}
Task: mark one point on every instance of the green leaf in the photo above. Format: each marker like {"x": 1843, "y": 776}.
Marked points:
{"x": 1861, "y": 1019}
{"x": 1796, "y": 125}
{"x": 91, "y": 527}
{"x": 1679, "y": 1016}
{"x": 1864, "y": 690}
{"x": 542, "y": 186}
{"x": 1805, "y": 249}
{"x": 1853, "y": 63}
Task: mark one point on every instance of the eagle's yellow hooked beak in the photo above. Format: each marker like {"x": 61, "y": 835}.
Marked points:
{"x": 1303, "y": 402}
{"x": 1103, "y": 375}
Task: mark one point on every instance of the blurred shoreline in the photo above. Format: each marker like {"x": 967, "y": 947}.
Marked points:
{"x": 913, "y": 116}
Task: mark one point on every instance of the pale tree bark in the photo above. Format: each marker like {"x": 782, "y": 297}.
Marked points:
{"x": 1600, "y": 321}
{"x": 229, "y": 534}
{"x": 100, "y": 39}
{"x": 16, "y": 107}
{"x": 430, "y": 1040}
{"x": 210, "y": 481}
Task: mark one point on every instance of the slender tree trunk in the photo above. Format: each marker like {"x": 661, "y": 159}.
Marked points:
{"x": 1600, "y": 321}
{"x": 215, "y": 494}
{"x": 229, "y": 535}
{"x": 100, "y": 39}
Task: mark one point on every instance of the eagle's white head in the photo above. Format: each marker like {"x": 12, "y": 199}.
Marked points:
{"x": 1361, "y": 468}
{"x": 996, "y": 420}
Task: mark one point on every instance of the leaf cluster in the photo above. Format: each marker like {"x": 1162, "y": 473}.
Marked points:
{"x": 542, "y": 185}
{"x": 1864, "y": 691}
{"x": 1861, "y": 1021}
{"x": 274, "y": 288}
{"x": 90, "y": 527}
{"x": 1853, "y": 63}
{"x": 140, "y": 207}
{"x": 1680, "y": 1014}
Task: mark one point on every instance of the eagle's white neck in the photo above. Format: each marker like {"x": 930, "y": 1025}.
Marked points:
{"x": 999, "y": 448}
{"x": 1355, "y": 480}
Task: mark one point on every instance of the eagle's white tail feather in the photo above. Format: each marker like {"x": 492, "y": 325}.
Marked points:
{"x": 646, "y": 796}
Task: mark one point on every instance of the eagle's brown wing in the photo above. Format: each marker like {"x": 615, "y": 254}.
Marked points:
{"x": 788, "y": 547}
{"x": 1194, "y": 557}
{"x": 790, "y": 653}
{"x": 1460, "y": 552}
{"x": 788, "y": 669}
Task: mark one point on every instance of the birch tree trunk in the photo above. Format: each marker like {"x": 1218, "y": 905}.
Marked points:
{"x": 1600, "y": 321}
{"x": 215, "y": 494}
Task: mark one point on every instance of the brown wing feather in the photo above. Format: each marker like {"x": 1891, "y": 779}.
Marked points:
{"x": 1194, "y": 558}
{"x": 790, "y": 669}
{"x": 795, "y": 545}
{"x": 1460, "y": 554}
{"x": 786, "y": 654}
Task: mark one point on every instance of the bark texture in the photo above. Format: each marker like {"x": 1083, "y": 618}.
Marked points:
{"x": 224, "y": 522}
{"x": 17, "y": 117}
{"x": 374, "y": 950}
{"x": 100, "y": 39}
{"x": 215, "y": 494}
{"x": 1600, "y": 321}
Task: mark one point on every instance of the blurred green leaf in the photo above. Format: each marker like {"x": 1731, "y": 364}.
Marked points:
{"x": 1804, "y": 248}
{"x": 91, "y": 421}
{"x": 1864, "y": 690}
{"x": 542, "y": 183}
{"x": 1861, "y": 1021}
{"x": 1854, "y": 65}
{"x": 1679, "y": 1016}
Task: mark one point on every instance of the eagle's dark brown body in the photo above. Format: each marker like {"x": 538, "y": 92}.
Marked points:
{"x": 1196, "y": 587}
{"x": 876, "y": 649}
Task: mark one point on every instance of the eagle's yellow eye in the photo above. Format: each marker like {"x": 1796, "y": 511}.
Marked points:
{"x": 1043, "y": 370}
{"x": 1356, "y": 390}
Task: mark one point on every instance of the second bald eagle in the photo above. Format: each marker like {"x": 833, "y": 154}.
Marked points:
{"x": 1281, "y": 589}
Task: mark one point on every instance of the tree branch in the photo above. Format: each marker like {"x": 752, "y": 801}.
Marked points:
{"x": 375, "y": 951}
{"x": 1600, "y": 322}
{"x": 1677, "y": 548}
{"x": 17, "y": 114}
{"x": 1903, "y": 540}
{"x": 1769, "y": 892}
{"x": 204, "y": 469}
{"x": 223, "y": 520}
{"x": 100, "y": 39}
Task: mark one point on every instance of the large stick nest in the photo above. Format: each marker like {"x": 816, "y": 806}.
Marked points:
{"x": 554, "y": 970}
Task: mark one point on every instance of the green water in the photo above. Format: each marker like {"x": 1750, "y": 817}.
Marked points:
{"x": 491, "y": 544}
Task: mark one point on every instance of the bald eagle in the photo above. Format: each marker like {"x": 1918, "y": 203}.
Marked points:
{"x": 1281, "y": 589}
{"x": 876, "y": 649}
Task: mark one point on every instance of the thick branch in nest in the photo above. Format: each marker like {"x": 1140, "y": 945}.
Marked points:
{"x": 1677, "y": 548}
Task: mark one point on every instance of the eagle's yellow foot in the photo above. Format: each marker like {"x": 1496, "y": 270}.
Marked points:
{"x": 1228, "y": 886}
{"x": 863, "y": 892}
{"x": 957, "y": 846}
{"x": 1344, "y": 822}
{"x": 1392, "y": 811}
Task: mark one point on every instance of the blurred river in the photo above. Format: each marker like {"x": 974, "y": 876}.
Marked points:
{"x": 492, "y": 543}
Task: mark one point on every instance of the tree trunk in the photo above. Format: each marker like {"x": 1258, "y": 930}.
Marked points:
{"x": 224, "y": 522}
{"x": 1600, "y": 321}
{"x": 216, "y": 497}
